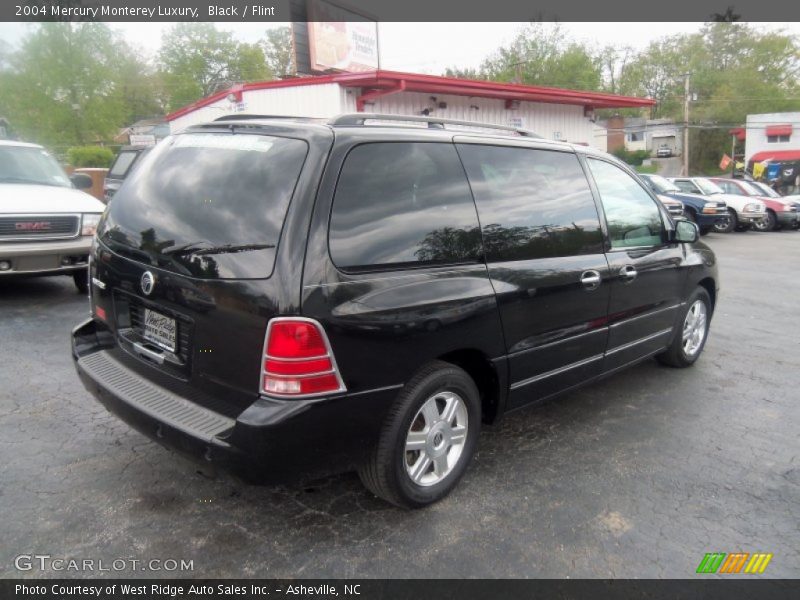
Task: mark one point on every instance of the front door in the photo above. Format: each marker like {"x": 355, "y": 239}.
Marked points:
{"x": 646, "y": 278}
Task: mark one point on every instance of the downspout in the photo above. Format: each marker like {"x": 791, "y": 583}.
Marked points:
{"x": 372, "y": 94}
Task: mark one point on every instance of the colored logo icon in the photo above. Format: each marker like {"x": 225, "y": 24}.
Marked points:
{"x": 736, "y": 562}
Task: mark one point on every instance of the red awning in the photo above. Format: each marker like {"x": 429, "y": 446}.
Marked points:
{"x": 776, "y": 156}
{"x": 779, "y": 130}
{"x": 739, "y": 132}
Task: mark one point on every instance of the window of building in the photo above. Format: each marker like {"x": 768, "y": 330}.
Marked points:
{"x": 774, "y": 139}
{"x": 403, "y": 204}
{"x": 532, "y": 203}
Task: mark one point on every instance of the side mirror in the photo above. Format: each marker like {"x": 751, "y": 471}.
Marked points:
{"x": 686, "y": 232}
{"x": 81, "y": 181}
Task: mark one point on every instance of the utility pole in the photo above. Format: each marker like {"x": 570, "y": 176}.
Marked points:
{"x": 686, "y": 125}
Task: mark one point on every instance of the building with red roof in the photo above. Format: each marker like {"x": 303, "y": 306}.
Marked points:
{"x": 553, "y": 113}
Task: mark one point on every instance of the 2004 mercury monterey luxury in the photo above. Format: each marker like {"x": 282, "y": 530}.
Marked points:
{"x": 281, "y": 296}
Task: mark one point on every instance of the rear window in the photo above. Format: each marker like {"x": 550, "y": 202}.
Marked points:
{"x": 120, "y": 167}
{"x": 207, "y": 205}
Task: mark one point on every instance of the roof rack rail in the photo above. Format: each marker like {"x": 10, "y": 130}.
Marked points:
{"x": 246, "y": 116}
{"x": 358, "y": 119}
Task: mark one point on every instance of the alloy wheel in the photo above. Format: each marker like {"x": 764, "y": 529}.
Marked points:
{"x": 694, "y": 328}
{"x": 435, "y": 440}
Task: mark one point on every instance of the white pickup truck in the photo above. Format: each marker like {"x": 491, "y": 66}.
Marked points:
{"x": 46, "y": 224}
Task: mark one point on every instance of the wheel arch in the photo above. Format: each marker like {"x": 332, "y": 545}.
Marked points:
{"x": 709, "y": 285}
{"x": 487, "y": 378}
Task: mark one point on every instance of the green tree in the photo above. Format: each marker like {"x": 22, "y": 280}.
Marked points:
{"x": 5, "y": 55}
{"x": 278, "y": 51}
{"x": 655, "y": 73}
{"x": 197, "y": 60}
{"x": 542, "y": 55}
{"x": 140, "y": 87}
{"x": 613, "y": 63}
{"x": 61, "y": 85}
{"x": 464, "y": 73}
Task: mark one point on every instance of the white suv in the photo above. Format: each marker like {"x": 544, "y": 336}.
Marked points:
{"x": 743, "y": 211}
{"x": 46, "y": 225}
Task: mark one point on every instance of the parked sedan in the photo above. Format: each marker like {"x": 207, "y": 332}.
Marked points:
{"x": 743, "y": 212}
{"x": 696, "y": 208}
{"x": 780, "y": 213}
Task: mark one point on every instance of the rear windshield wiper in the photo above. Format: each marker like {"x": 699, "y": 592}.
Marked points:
{"x": 199, "y": 249}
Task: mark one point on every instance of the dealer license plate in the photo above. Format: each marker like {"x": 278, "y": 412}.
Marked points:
{"x": 159, "y": 329}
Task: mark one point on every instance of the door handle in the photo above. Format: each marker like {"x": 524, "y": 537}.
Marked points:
{"x": 628, "y": 273}
{"x": 591, "y": 280}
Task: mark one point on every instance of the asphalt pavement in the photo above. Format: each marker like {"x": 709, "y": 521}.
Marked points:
{"x": 639, "y": 475}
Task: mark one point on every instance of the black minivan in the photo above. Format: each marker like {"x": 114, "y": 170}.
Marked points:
{"x": 280, "y": 296}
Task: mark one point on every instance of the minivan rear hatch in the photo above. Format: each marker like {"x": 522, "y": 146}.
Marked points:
{"x": 187, "y": 249}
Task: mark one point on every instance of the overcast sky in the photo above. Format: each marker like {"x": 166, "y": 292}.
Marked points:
{"x": 431, "y": 47}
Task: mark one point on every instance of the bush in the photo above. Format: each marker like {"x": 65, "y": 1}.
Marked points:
{"x": 90, "y": 156}
{"x": 634, "y": 158}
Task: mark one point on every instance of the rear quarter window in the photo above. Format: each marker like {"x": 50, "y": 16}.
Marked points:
{"x": 403, "y": 204}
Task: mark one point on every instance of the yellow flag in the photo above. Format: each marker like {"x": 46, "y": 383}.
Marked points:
{"x": 758, "y": 170}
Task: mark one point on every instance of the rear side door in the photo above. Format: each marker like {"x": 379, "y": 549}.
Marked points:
{"x": 544, "y": 250}
{"x": 646, "y": 274}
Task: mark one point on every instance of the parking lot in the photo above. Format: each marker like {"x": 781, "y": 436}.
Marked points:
{"x": 637, "y": 476}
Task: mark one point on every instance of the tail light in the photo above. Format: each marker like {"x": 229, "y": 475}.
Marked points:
{"x": 298, "y": 361}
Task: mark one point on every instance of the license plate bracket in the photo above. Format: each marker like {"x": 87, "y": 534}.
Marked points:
{"x": 160, "y": 329}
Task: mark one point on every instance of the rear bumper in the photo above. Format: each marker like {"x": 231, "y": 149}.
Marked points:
{"x": 44, "y": 257}
{"x": 272, "y": 440}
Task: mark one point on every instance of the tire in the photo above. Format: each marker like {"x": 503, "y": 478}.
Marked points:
{"x": 81, "y": 279}
{"x": 389, "y": 470}
{"x": 705, "y": 230}
{"x": 729, "y": 224}
{"x": 681, "y": 353}
{"x": 768, "y": 223}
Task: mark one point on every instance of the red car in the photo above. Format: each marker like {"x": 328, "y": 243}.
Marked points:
{"x": 780, "y": 212}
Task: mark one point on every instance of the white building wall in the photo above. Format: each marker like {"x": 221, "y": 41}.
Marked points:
{"x": 599, "y": 137}
{"x": 317, "y": 101}
{"x": 552, "y": 121}
{"x": 756, "y": 140}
